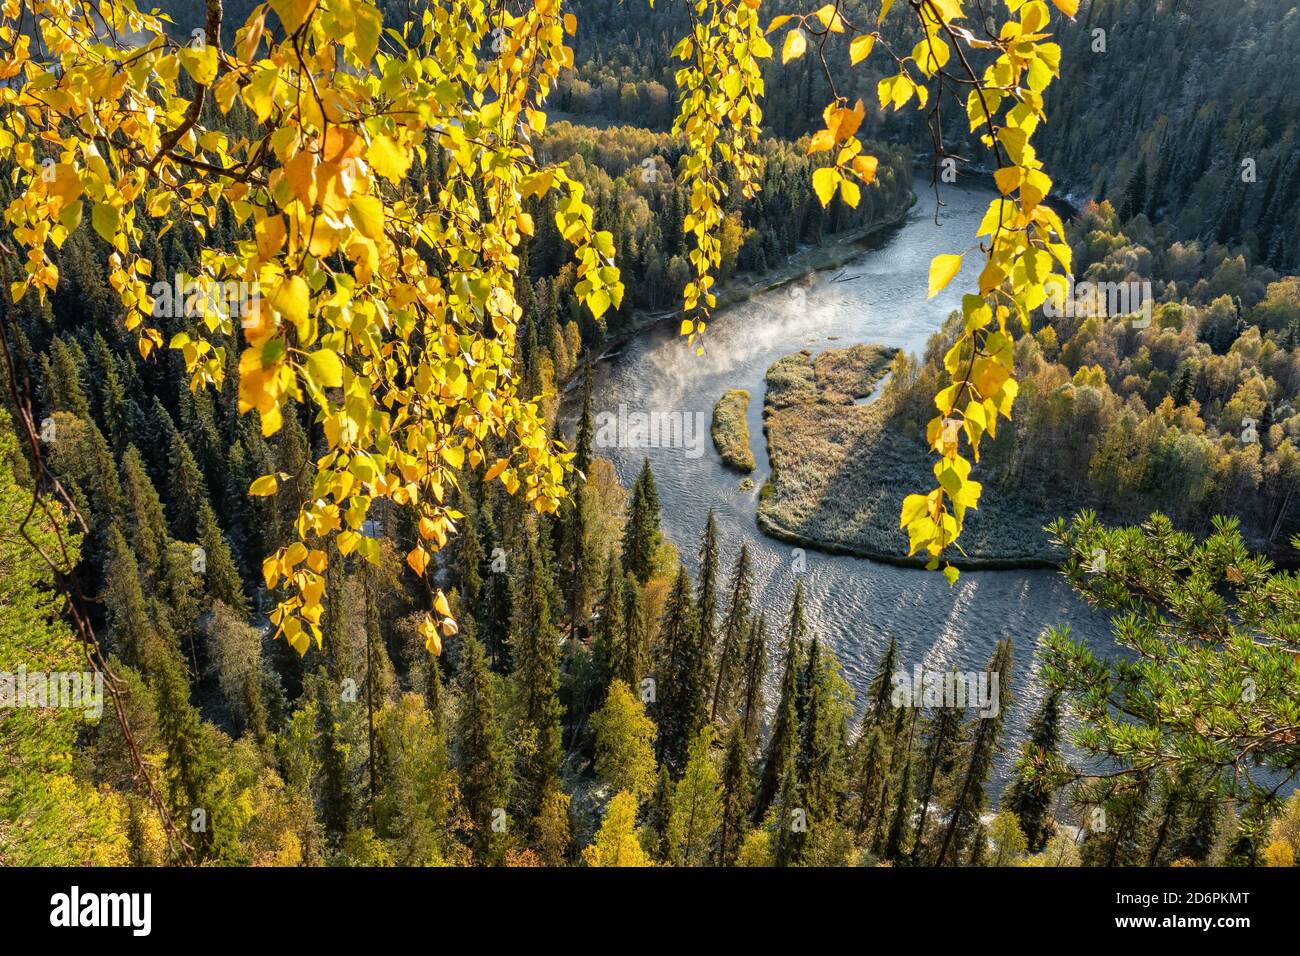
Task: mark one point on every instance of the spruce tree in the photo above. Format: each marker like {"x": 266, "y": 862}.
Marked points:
{"x": 880, "y": 690}
{"x": 632, "y": 656}
{"x": 534, "y": 643}
{"x": 658, "y": 812}
{"x": 132, "y": 636}
{"x": 192, "y": 762}
{"x": 497, "y": 597}
{"x": 63, "y": 380}
{"x": 735, "y": 625}
{"x": 1184, "y": 388}
{"x": 797, "y": 628}
{"x": 1135, "y": 194}
{"x": 737, "y": 797}
{"x": 338, "y": 799}
{"x": 111, "y": 393}
{"x": 611, "y": 633}
{"x": 1121, "y": 840}
{"x": 681, "y": 674}
{"x": 222, "y": 576}
{"x": 755, "y": 672}
{"x": 585, "y": 436}
{"x": 964, "y": 811}
{"x": 531, "y": 354}
{"x": 469, "y": 559}
{"x": 186, "y": 485}
{"x": 434, "y": 700}
{"x": 942, "y": 732}
{"x": 706, "y": 595}
{"x": 89, "y": 462}
{"x": 789, "y": 815}
{"x": 784, "y": 741}
{"x": 144, "y": 517}
{"x": 578, "y": 561}
{"x": 870, "y": 778}
{"x": 1030, "y": 794}
{"x": 641, "y": 536}
{"x": 1168, "y": 807}
{"x": 292, "y": 456}
{"x": 379, "y": 680}
{"x": 340, "y": 661}
{"x": 1197, "y": 839}
{"x": 899, "y": 822}
{"x": 484, "y": 756}
{"x": 810, "y": 755}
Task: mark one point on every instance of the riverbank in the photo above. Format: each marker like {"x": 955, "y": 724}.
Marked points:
{"x": 839, "y": 471}
{"x": 833, "y": 253}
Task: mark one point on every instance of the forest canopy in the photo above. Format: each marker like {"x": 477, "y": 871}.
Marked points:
{"x": 291, "y": 292}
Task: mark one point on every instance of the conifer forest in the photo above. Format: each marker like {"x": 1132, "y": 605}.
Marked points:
{"x": 604, "y": 433}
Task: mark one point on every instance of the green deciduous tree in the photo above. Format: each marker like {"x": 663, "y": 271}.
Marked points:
{"x": 696, "y": 806}
{"x": 624, "y": 743}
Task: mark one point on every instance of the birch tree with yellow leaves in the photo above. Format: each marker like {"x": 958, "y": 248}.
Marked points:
{"x": 384, "y": 303}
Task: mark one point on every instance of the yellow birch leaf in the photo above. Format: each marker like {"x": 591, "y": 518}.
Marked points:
{"x": 293, "y": 13}
{"x": 795, "y": 44}
{"x": 942, "y": 270}
{"x": 389, "y": 159}
{"x": 325, "y": 368}
{"x": 825, "y": 181}
{"x": 292, "y": 299}
{"x": 860, "y": 48}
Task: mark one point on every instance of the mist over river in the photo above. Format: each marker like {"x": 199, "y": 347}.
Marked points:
{"x": 855, "y": 604}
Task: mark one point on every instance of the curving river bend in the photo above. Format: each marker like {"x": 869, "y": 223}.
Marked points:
{"x": 854, "y": 603}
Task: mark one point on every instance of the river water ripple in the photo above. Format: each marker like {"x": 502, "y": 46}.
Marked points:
{"x": 854, "y": 603}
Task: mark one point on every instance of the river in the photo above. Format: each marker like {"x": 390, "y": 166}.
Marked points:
{"x": 854, "y": 604}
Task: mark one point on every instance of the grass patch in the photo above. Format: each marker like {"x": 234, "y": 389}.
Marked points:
{"x": 840, "y": 470}
{"x": 731, "y": 432}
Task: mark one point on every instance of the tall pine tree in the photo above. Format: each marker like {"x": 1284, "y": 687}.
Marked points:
{"x": 968, "y": 801}
{"x": 735, "y": 625}
{"x": 1030, "y": 793}
{"x": 641, "y": 536}
{"x": 534, "y": 642}
{"x": 784, "y": 742}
